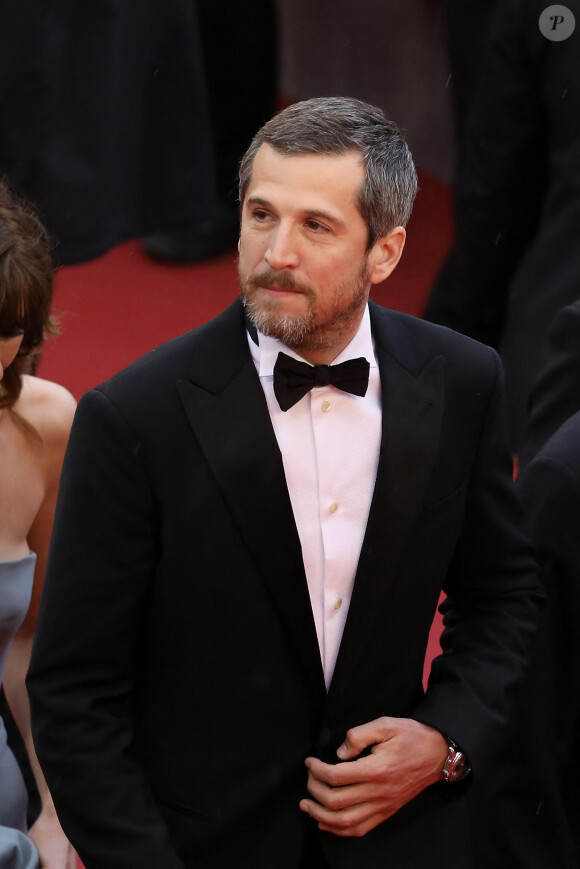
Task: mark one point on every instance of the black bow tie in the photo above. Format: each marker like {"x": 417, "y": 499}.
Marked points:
{"x": 293, "y": 379}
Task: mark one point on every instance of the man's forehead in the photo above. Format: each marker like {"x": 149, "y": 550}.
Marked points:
{"x": 267, "y": 154}
{"x": 326, "y": 175}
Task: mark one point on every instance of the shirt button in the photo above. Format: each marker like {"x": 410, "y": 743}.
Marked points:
{"x": 338, "y": 603}
{"x": 325, "y": 406}
{"x": 333, "y": 507}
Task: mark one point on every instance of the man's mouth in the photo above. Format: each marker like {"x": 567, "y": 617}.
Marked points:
{"x": 277, "y": 284}
{"x": 276, "y": 288}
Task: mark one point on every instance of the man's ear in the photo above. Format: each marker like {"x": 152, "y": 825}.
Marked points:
{"x": 385, "y": 254}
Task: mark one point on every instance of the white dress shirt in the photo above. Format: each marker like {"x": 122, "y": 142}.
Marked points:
{"x": 330, "y": 442}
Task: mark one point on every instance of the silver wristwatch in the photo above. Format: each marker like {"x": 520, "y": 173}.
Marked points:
{"x": 456, "y": 765}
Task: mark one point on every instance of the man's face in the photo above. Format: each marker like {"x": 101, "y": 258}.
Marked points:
{"x": 303, "y": 267}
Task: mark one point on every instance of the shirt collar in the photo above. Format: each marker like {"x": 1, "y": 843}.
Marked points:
{"x": 266, "y": 351}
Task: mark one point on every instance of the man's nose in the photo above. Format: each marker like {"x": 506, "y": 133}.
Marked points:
{"x": 282, "y": 250}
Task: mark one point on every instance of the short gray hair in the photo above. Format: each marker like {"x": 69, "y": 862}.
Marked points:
{"x": 337, "y": 125}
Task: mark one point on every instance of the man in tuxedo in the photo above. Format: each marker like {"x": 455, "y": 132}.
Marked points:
{"x": 255, "y": 525}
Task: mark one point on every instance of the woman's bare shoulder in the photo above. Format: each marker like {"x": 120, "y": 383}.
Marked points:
{"x": 47, "y": 406}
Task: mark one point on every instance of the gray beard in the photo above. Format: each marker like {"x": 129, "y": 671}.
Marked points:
{"x": 300, "y": 333}
{"x": 291, "y": 331}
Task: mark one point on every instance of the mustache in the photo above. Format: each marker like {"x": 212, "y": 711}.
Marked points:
{"x": 280, "y": 279}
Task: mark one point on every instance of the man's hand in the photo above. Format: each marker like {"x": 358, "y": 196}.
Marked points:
{"x": 352, "y": 798}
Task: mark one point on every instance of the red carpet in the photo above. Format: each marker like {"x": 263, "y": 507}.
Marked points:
{"x": 117, "y": 307}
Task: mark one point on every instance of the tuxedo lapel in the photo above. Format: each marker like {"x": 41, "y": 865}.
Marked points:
{"x": 232, "y": 425}
{"x": 412, "y": 403}
{"x": 227, "y": 411}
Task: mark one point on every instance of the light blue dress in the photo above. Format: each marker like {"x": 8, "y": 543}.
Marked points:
{"x": 16, "y": 849}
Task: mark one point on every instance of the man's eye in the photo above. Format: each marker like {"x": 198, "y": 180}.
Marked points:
{"x": 315, "y": 226}
{"x": 260, "y": 215}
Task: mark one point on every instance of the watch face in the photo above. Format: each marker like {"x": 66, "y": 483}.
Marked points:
{"x": 456, "y": 766}
{"x": 458, "y": 769}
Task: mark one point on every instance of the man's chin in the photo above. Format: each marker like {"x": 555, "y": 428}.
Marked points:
{"x": 291, "y": 330}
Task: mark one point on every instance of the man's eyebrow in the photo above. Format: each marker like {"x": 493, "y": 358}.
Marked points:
{"x": 257, "y": 200}
{"x": 308, "y": 212}
{"x": 324, "y": 215}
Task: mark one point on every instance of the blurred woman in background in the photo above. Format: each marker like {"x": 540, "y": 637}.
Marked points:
{"x": 35, "y": 420}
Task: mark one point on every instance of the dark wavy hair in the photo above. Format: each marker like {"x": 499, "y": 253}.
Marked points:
{"x": 26, "y": 287}
{"x": 337, "y": 125}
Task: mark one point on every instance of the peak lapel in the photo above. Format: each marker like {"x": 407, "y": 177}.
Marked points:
{"x": 412, "y": 396}
{"x": 233, "y": 428}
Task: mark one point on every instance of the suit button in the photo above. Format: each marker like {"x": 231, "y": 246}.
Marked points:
{"x": 325, "y": 406}
{"x": 333, "y": 507}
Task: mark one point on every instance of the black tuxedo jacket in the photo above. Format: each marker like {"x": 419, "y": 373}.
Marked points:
{"x": 176, "y": 680}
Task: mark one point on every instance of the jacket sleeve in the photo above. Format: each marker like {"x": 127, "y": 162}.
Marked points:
{"x": 491, "y": 609}
{"x": 83, "y": 680}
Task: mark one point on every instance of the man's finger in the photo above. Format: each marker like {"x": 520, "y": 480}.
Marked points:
{"x": 338, "y": 798}
{"x": 353, "y": 821}
{"x": 342, "y": 819}
{"x": 353, "y": 772}
{"x": 356, "y": 830}
{"x": 364, "y": 735}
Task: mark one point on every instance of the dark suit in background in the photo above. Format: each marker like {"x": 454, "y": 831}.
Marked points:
{"x": 106, "y": 123}
{"x": 466, "y": 24}
{"x": 242, "y": 95}
{"x": 555, "y": 396}
{"x": 525, "y": 808}
{"x": 518, "y": 194}
{"x": 177, "y": 685}
{"x": 550, "y": 492}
